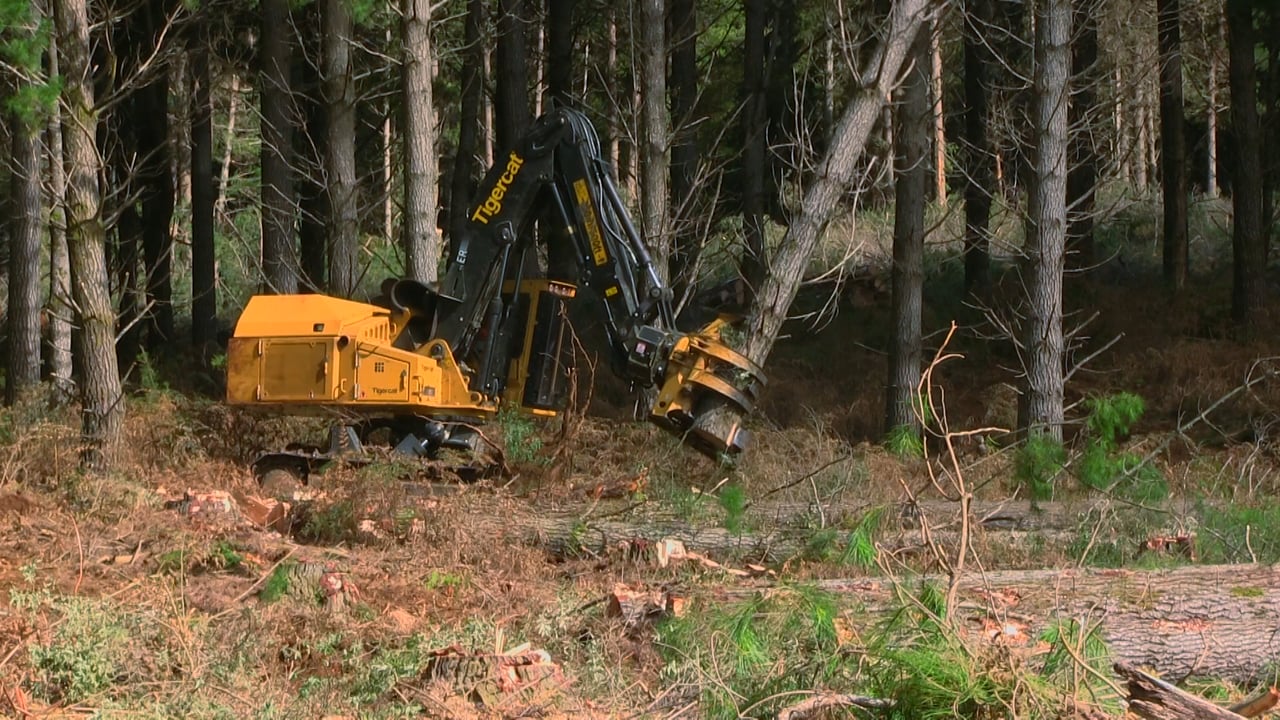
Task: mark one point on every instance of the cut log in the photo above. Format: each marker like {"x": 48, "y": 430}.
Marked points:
{"x": 571, "y": 536}
{"x": 1213, "y": 621}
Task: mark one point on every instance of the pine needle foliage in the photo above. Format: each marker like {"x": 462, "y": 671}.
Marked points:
{"x": 741, "y": 655}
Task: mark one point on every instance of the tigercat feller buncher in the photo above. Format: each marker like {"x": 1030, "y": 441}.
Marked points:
{"x": 431, "y": 363}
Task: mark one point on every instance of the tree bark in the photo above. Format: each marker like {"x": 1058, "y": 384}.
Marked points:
{"x": 1138, "y": 153}
{"x": 421, "y": 241}
{"x": 755, "y": 119}
{"x": 511, "y": 95}
{"x": 1215, "y": 621}
{"x": 684, "y": 147}
{"x": 1082, "y": 176}
{"x": 1173, "y": 163}
{"x": 912, "y": 173}
{"x": 279, "y": 209}
{"x": 311, "y": 180}
{"x": 981, "y": 160}
{"x": 157, "y": 183}
{"x": 1041, "y": 411}
{"x": 340, "y": 147}
{"x": 1248, "y": 251}
{"x": 1211, "y": 128}
{"x": 559, "y": 38}
{"x": 562, "y": 263}
{"x": 102, "y": 402}
{"x": 832, "y": 178}
{"x": 60, "y": 307}
{"x": 939, "y": 117}
{"x": 204, "y": 288}
{"x": 26, "y": 230}
{"x": 224, "y": 172}
{"x": 655, "y": 136}
{"x": 465, "y": 165}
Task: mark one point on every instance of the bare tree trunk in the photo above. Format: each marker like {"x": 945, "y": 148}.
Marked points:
{"x": 1248, "y": 251}
{"x": 224, "y": 173}
{"x": 1211, "y": 129}
{"x": 279, "y": 209}
{"x": 980, "y": 173}
{"x": 684, "y": 149}
{"x": 655, "y": 136}
{"x": 157, "y": 181}
{"x": 60, "y": 308}
{"x": 340, "y": 148}
{"x": 1172, "y": 145}
{"x": 26, "y": 230}
{"x": 832, "y": 177}
{"x": 1138, "y": 153}
{"x": 939, "y": 117}
{"x": 511, "y": 99}
{"x": 309, "y": 154}
{"x": 755, "y": 119}
{"x": 204, "y": 289}
{"x": 914, "y": 114}
{"x": 469, "y": 128}
{"x": 102, "y": 402}
{"x": 1041, "y": 405}
{"x": 559, "y": 39}
{"x": 422, "y": 245}
{"x": 561, "y": 257}
{"x": 1082, "y": 175}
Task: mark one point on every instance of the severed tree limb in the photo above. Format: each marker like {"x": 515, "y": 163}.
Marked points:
{"x": 1154, "y": 699}
{"x": 1258, "y": 704}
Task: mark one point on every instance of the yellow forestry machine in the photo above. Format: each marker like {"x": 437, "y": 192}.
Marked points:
{"x": 429, "y": 363}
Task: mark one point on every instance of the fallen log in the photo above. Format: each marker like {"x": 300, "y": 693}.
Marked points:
{"x": 1212, "y": 621}
{"x": 571, "y": 536}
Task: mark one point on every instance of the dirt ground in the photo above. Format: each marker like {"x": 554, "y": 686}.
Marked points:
{"x": 153, "y": 592}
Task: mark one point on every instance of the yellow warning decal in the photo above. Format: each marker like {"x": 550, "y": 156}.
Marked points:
{"x": 589, "y": 217}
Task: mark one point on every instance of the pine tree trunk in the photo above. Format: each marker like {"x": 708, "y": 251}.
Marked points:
{"x": 421, "y": 241}
{"x": 340, "y": 147}
{"x": 562, "y": 263}
{"x": 559, "y": 39}
{"x": 832, "y": 178}
{"x": 1211, "y": 129}
{"x": 465, "y": 166}
{"x": 1172, "y": 145}
{"x": 224, "y": 172}
{"x": 980, "y": 173}
{"x": 511, "y": 99}
{"x": 102, "y": 402}
{"x": 914, "y": 115}
{"x": 655, "y": 149}
{"x": 26, "y": 230}
{"x": 204, "y": 289}
{"x": 157, "y": 208}
{"x": 1248, "y": 252}
{"x": 684, "y": 148}
{"x": 939, "y": 116}
{"x": 309, "y": 155}
{"x": 755, "y": 118}
{"x": 60, "y": 308}
{"x": 1082, "y": 175}
{"x": 1041, "y": 411}
{"x": 279, "y": 209}
{"x": 1138, "y": 151}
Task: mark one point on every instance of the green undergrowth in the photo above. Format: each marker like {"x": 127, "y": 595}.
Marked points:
{"x": 753, "y": 657}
